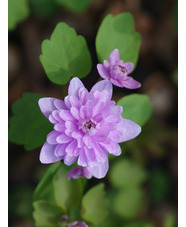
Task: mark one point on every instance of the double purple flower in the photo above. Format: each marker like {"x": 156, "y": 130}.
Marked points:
{"x": 117, "y": 71}
{"x": 87, "y": 126}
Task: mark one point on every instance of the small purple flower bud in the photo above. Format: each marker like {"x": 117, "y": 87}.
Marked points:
{"x": 117, "y": 71}
{"x": 76, "y": 224}
{"x": 77, "y": 172}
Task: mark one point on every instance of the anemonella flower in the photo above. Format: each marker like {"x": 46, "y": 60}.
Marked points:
{"x": 87, "y": 126}
{"x": 117, "y": 71}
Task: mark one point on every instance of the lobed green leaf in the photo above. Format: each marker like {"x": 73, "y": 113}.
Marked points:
{"x": 118, "y": 32}
{"x": 65, "y": 55}
{"x": 28, "y": 126}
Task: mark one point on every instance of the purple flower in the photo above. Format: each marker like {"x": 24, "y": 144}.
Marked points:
{"x": 76, "y": 224}
{"x": 87, "y": 126}
{"x": 117, "y": 71}
{"x": 77, "y": 172}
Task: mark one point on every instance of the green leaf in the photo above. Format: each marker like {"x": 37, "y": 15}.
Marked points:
{"x": 28, "y": 126}
{"x": 18, "y": 11}
{"x": 65, "y": 55}
{"x": 118, "y": 32}
{"x": 67, "y": 193}
{"x": 46, "y": 214}
{"x": 45, "y": 189}
{"x": 136, "y": 107}
{"x": 128, "y": 203}
{"x": 126, "y": 173}
{"x": 94, "y": 205}
{"x": 139, "y": 224}
{"x": 74, "y": 5}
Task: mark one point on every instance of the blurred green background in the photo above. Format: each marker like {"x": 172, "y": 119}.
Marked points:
{"x": 145, "y": 194}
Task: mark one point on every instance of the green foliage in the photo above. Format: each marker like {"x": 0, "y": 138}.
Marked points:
{"x": 160, "y": 185}
{"x": 45, "y": 189}
{"x": 46, "y": 214}
{"x": 136, "y": 107}
{"x": 118, "y": 32}
{"x": 139, "y": 224}
{"x": 67, "y": 193}
{"x": 28, "y": 126}
{"x": 65, "y": 55}
{"x": 18, "y": 11}
{"x": 170, "y": 220}
{"x": 94, "y": 205}
{"x": 44, "y": 8}
{"x": 126, "y": 173}
{"x": 74, "y": 5}
{"x": 128, "y": 202}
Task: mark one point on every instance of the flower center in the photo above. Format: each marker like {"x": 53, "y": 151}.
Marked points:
{"x": 119, "y": 71}
{"x": 89, "y": 126}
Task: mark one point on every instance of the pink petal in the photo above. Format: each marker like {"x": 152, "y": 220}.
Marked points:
{"x": 77, "y": 172}
{"x": 60, "y": 150}
{"x": 47, "y": 154}
{"x": 106, "y": 65}
{"x": 129, "y": 66}
{"x": 88, "y": 141}
{"x": 74, "y": 86}
{"x": 82, "y": 160}
{"x": 101, "y": 86}
{"x": 60, "y": 127}
{"x": 114, "y": 57}
{"x": 102, "y": 71}
{"x": 99, "y": 170}
{"x": 128, "y": 129}
{"x": 66, "y": 115}
{"x": 75, "y": 113}
{"x": 90, "y": 155}
{"x": 68, "y": 160}
{"x": 59, "y": 104}
{"x": 116, "y": 82}
{"x": 130, "y": 83}
{"x": 52, "y": 136}
{"x": 113, "y": 148}
{"x": 71, "y": 148}
{"x": 47, "y": 106}
{"x": 63, "y": 138}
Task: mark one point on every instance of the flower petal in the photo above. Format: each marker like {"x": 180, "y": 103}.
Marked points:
{"x": 59, "y": 104}
{"x": 129, "y": 66}
{"x": 128, "y": 130}
{"x": 77, "y": 172}
{"x": 114, "y": 57}
{"x": 116, "y": 82}
{"x": 51, "y": 137}
{"x": 130, "y": 83}
{"x": 113, "y": 148}
{"x": 74, "y": 86}
{"x": 99, "y": 170}
{"x": 63, "y": 138}
{"x": 60, "y": 150}
{"x": 101, "y": 86}
{"x": 47, "y": 154}
{"x": 102, "y": 71}
{"x": 68, "y": 160}
{"x": 47, "y": 106}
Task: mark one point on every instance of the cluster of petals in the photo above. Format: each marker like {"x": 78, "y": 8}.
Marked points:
{"x": 117, "y": 71}
{"x": 87, "y": 126}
